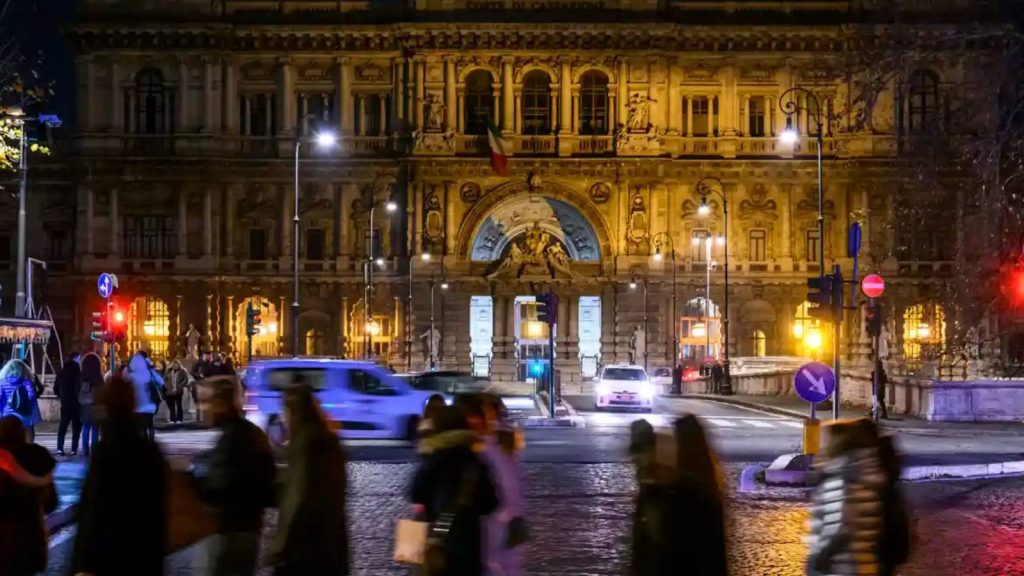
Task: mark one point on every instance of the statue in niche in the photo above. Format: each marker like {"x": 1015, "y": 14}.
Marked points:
{"x": 558, "y": 260}
{"x": 435, "y": 112}
{"x": 431, "y": 344}
{"x": 511, "y": 264}
{"x": 639, "y": 107}
{"x": 536, "y": 253}
{"x": 637, "y": 346}
{"x": 636, "y": 225}
{"x": 192, "y": 337}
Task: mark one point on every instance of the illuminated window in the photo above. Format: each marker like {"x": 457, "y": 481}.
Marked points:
{"x": 809, "y": 335}
{"x": 151, "y": 325}
{"x": 760, "y": 344}
{"x": 265, "y": 341}
{"x": 757, "y": 116}
{"x": 593, "y": 103}
{"x": 923, "y": 105}
{"x": 924, "y": 332}
{"x": 758, "y": 245}
{"x": 536, "y": 103}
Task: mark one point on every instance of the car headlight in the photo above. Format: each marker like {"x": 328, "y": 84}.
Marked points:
{"x": 647, "y": 390}
{"x": 603, "y": 389}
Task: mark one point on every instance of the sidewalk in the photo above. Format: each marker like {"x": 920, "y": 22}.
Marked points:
{"x": 794, "y": 407}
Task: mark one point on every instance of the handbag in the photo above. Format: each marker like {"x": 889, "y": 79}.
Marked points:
{"x": 423, "y": 544}
{"x": 154, "y": 389}
{"x": 517, "y": 534}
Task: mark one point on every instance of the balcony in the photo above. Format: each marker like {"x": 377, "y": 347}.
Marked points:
{"x": 592, "y": 145}
{"x": 261, "y": 146}
{"x": 148, "y": 144}
{"x": 535, "y": 146}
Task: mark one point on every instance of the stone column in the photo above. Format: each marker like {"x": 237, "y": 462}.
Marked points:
{"x": 183, "y": 81}
{"x": 417, "y": 97}
{"x": 90, "y": 220}
{"x": 623, "y": 88}
{"x": 132, "y": 127}
{"x": 689, "y": 116}
{"x": 507, "y": 100}
{"x": 383, "y": 102}
{"x": 343, "y": 96}
{"x": 673, "y": 117}
{"x": 116, "y": 98}
{"x": 286, "y": 96}
{"x": 450, "y": 104}
{"x": 360, "y": 114}
{"x": 115, "y": 225}
{"x": 286, "y": 222}
{"x": 729, "y": 103}
{"x": 232, "y": 192}
{"x": 397, "y": 92}
{"x": 208, "y": 221}
{"x": 209, "y": 107}
{"x": 745, "y": 116}
{"x": 230, "y": 90}
{"x": 229, "y": 324}
{"x": 89, "y": 122}
{"x": 565, "y": 99}
{"x": 182, "y": 221}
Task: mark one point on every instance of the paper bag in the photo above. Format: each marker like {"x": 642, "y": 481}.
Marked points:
{"x": 410, "y": 541}
{"x": 188, "y": 519}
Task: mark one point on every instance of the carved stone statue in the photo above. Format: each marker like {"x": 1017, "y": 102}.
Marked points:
{"x": 435, "y": 112}
{"x": 192, "y": 337}
{"x": 637, "y": 345}
{"x": 558, "y": 260}
{"x": 431, "y": 344}
{"x": 639, "y": 117}
{"x": 512, "y": 264}
{"x": 883, "y": 342}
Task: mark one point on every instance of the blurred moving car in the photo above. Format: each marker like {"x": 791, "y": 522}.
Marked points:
{"x": 365, "y": 400}
{"x": 624, "y": 386}
{"x": 661, "y": 377}
{"x": 448, "y": 383}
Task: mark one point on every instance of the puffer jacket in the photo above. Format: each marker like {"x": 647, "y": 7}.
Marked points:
{"x": 846, "y": 516}
{"x": 140, "y": 374}
{"x": 8, "y": 387}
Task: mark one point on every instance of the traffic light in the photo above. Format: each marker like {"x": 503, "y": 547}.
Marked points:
{"x": 252, "y": 319}
{"x": 873, "y": 320}
{"x": 99, "y": 327}
{"x": 820, "y": 297}
{"x": 118, "y": 325}
{"x": 544, "y": 308}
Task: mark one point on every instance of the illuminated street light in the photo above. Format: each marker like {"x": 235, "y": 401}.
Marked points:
{"x": 391, "y": 206}
{"x": 425, "y": 256}
{"x": 813, "y": 340}
{"x": 444, "y": 285}
{"x": 798, "y": 331}
{"x": 704, "y": 209}
{"x": 789, "y": 135}
{"x": 326, "y": 139}
{"x": 379, "y": 261}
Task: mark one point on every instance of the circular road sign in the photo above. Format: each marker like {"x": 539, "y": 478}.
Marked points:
{"x": 814, "y": 382}
{"x": 872, "y": 285}
{"x": 105, "y": 285}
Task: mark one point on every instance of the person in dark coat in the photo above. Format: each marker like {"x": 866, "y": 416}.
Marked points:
{"x": 883, "y": 383}
{"x": 452, "y": 479}
{"x": 200, "y": 370}
{"x": 26, "y": 493}
{"x": 312, "y": 526}
{"x": 175, "y": 382}
{"x": 236, "y": 478}
{"x": 89, "y": 392}
{"x": 679, "y": 523}
{"x": 122, "y": 515}
{"x": 66, "y": 388}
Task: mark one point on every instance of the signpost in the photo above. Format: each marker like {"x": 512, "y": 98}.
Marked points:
{"x": 814, "y": 383}
{"x": 873, "y": 286}
{"x": 106, "y": 284}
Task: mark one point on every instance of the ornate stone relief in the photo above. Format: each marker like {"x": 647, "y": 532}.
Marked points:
{"x": 314, "y": 73}
{"x": 809, "y": 204}
{"x": 637, "y": 224}
{"x": 759, "y": 206}
{"x": 470, "y": 192}
{"x": 313, "y": 204}
{"x": 600, "y": 193}
{"x": 535, "y": 254}
{"x": 758, "y": 74}
{"x": 434, "y": 142}
{"x": 433, "y": 217}
{"x": 257, "y": 71}
{"x": 701, "y": 72}
{"x": 255, "y": 204}
{"x": 372, "y": 72}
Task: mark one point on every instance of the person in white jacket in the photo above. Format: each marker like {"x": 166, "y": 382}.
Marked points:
{"x": 149, "y": 385}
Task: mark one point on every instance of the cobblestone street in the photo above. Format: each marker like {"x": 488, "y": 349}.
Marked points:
{"x": 580, "y": 520}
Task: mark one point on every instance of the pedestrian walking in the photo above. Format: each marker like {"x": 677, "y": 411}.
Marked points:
{"x": 26, "y": 493}
{"x": 312, "y": 527}
{"x": 235, "y": 478}
{"x": 435, "y": 404}
{"x": 455, "y": 490}
{"x": 122, "y": 515}
{"x": 717, "y": 376}
{"x": 201, "y": 370}
{"x": 852, "y": 480}
{"x": 89, "y": 392}
{"x": 504, "y": 529}
{"x": 679, "y": 522}
{"x": 66, "y": 386}
{"x": 883, "y": 383}
{"x": 148, "y": 390}
{"x": 19, "y": 395}
{"x": 175, "y": 381}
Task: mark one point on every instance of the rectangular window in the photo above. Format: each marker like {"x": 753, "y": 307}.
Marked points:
{"x": 150, "y": 237}
{"x": 370, "y": 122}
{"x": 256, "y": 112}
{"x": 701, "y": 116}
{"x": 57, "y": 248}
{"x": 257, "y": 244}
{"x": 5, "y": 248}
{"x": 813, "y": 245}
{"x": 758, "y": 245}
{"x": 315, "y": 244}
{"x": 699, "y": 241}
{"x": 757, "y": 117}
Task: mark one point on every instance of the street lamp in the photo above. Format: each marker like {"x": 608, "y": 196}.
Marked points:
{"x": 704, "y": 189}
{"x": 790, "y": 136}
{"x": 425, "y": 257}
{"x": 323, "y": 139}
{"x": 710, "y": 265}
{"x": 633, "y": 286}
{"x": 368, "y": 263}
{"x": 663, "y": 239}
{"x": 16, "y": 116}
{"x": 430, "y": 336}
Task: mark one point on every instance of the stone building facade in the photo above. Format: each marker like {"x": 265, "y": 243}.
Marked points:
{"x": 180, "y": 177}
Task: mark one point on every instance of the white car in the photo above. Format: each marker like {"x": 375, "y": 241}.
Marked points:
{"x": 662, "y": 379}
{"x": 365, "y": 400}
{"x": 624, "y": 386}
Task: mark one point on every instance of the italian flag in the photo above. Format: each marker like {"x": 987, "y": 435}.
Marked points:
{"x": 499, "y": 159}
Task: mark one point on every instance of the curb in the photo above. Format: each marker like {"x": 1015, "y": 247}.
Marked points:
{"x": 926, "y": 472}
{"x": 61, "y": 518}
{"x": 803, "y": 416}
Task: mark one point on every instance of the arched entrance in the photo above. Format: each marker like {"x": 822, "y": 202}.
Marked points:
{"x": 924, "y": 332}
{"x": 810, "y": 338}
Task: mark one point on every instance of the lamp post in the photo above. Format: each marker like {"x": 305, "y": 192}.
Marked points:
{"x": 325, "y": 139}
{"x": 16, "y": 116}
{"x": 430, "y": 337}
{"x": 704, "y": 189}
{"x": 391, "y": 207}
{"x": 425, "y": 256}
{"x": 660, "y": 239}
{"x": 790, "y": 135}
{"x": 633, "y": 286}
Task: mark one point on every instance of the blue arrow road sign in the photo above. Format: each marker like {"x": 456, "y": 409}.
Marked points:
{"x": 105, "y": 285}
{"x": 814, "y": 382}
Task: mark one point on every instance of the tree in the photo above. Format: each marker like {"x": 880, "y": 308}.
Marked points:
{"x": 21, "y": 84}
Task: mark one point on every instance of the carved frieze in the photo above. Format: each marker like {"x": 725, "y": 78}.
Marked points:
{"x": 757, "y": 74}
{"x": 637, "y": 223}
{"x": 256, "y": 204}
{"x": 312, "y": 203}
{"x": 758, "y": 207}
{"x": 701, "y": 73}
{"x": 808, "y": 205}
{"x": 258, "y": 71}
{"x": 373, "y": 72}
{"x": 314, "y": 73}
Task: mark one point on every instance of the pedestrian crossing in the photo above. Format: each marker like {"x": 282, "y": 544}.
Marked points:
{"x": 719, "y": 423}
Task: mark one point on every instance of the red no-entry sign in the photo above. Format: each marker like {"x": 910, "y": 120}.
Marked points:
{"x": 872, "y": 285}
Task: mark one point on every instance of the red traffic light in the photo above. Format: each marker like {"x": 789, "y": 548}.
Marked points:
{"x": 118, "y": 317}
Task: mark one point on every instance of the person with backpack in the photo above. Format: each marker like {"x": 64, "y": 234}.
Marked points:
{"x": 454, "y": 488}
{"x": 19, "y": 395}
{"x": 236, "y": 478}
{"x": 148, "y": 391}
{"x": 88, "y": 398}
{"x": 66, "y": 386}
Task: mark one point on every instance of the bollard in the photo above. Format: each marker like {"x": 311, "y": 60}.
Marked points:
{"x": 812, "y": 436}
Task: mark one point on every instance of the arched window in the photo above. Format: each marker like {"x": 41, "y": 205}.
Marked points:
{"x": 594, "y": 103}
{"x": 479, "y": 102}
{"x": 536, "y": 103}
{"x": 923, "y": 101}
{"x": 151, "y": 102}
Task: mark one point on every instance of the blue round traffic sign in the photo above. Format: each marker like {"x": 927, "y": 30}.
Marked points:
{"x": 814, "y": 382}
{"x": 105, "y": 285}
